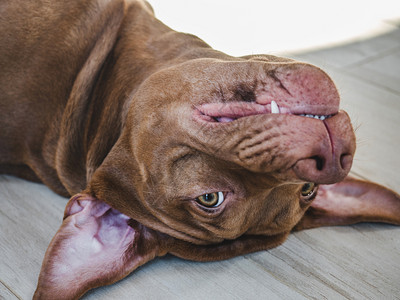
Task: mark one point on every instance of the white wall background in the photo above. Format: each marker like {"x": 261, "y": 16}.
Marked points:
{"x": 266, "y": 26}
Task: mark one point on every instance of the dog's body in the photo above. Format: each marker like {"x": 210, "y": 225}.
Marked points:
{"x": 166, "y": 145}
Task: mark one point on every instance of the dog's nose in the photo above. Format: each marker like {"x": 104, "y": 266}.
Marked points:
{"x": 333, "y": 161}
{"x": 324, "y": 170}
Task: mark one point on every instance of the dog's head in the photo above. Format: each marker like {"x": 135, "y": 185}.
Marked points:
{"x": 214, "y": 149}
{"x": 218, "y": 157}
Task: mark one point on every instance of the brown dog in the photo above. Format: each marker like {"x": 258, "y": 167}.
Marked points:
{"x": 167, "y": 145}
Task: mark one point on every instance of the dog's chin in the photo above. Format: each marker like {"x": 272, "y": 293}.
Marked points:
{"x": 226, "y": 249}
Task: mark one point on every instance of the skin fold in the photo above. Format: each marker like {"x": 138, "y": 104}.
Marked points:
{"x": 165, "y": 145}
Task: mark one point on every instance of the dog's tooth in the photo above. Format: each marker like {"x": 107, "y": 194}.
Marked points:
{"x": 318, "y": 117}
{"x": 274, "y": 108}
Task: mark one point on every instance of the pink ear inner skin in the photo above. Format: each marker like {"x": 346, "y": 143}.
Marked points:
{"x": 94, "y": 246}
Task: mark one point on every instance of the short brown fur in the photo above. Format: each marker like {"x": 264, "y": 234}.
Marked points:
{"x": 103, "y": 103}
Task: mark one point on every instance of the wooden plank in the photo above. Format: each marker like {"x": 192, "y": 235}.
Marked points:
{"x": 358, "y": 51}
{"x": 30, "y": 214}
{"x": 339, "y": 262}
{"x": 381, "y": 70}
{"x": 6, "y": 293}
{"x": 173, "y": 278}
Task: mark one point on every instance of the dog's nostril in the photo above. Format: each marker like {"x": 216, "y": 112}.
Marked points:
{"x": 346, "y": 161}
{"x": 319, "y": 162}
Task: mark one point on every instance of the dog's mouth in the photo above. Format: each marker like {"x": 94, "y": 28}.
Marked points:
{"x": 228, "y": 112}
{"x": 317, "y": 149}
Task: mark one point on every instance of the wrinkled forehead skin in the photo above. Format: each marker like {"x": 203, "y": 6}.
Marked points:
{"x": 177, "y": 147}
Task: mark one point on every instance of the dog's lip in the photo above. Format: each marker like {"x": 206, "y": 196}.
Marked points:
{"x": 230, "y": 111}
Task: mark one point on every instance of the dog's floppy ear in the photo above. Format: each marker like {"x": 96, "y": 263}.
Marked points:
{"x": 351, "y": 201}
{"x": 95, "y": 245}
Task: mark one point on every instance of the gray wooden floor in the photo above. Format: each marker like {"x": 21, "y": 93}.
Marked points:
{"x": 353, "y": 262}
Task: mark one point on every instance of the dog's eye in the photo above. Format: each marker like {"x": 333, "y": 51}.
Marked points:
{"x": 211, "y": 200}
{"x": 308, "y": 190}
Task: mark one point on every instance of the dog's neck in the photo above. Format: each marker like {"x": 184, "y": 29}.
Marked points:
{"x": 145, "y": 45}
{"x": 129, "y": 64}
{"x": 142, "y": 47}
